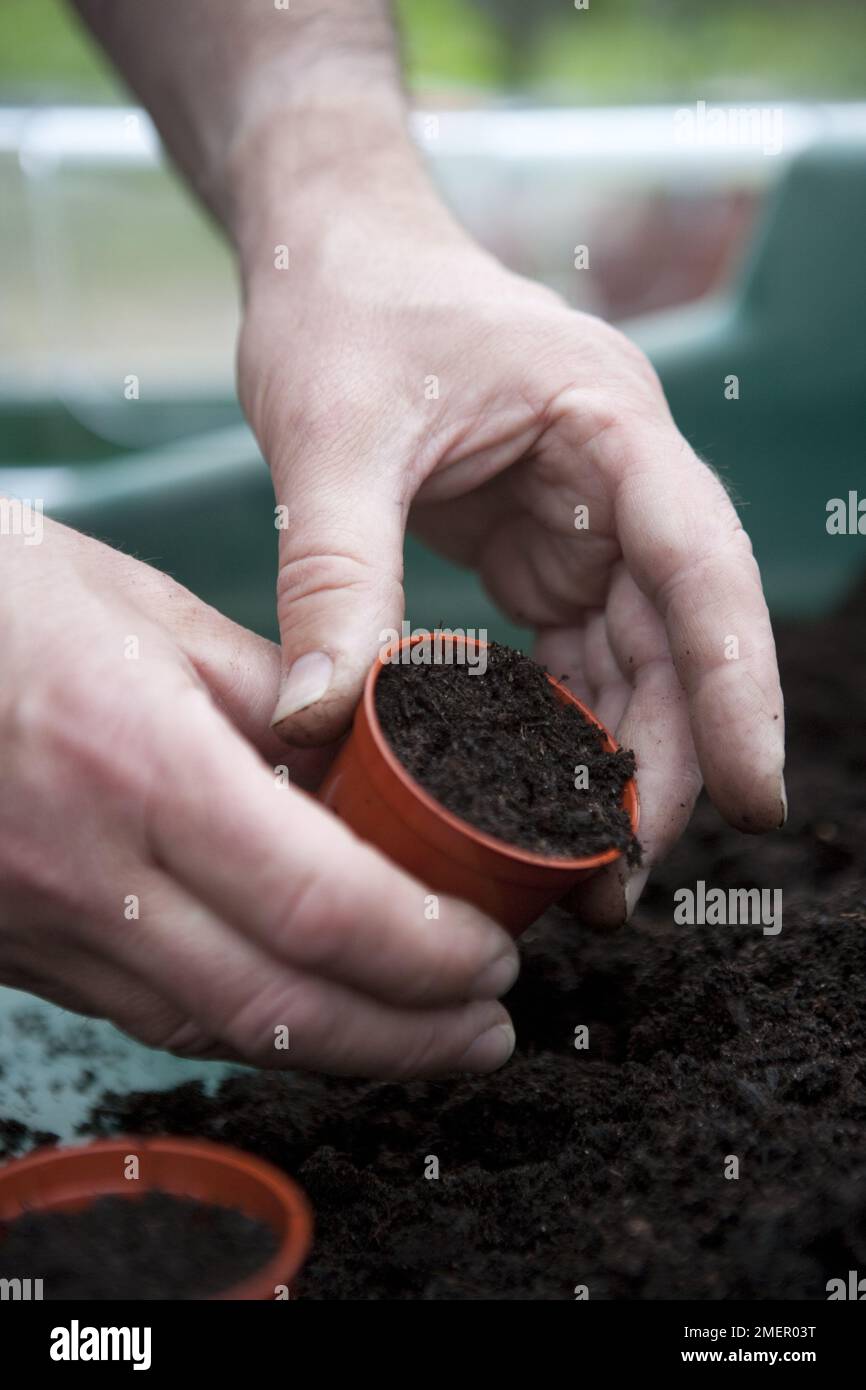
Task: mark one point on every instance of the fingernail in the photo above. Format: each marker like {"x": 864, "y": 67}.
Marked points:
{"x": 307, "y": 681}
{"x": 783, "y": 797}
{"x": 490, "y": 1051}
{"x": 497, "y": 977}
{"x": 633, "y": 890}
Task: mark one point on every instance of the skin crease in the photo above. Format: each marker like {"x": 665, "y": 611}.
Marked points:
{"x": 154, "y": 776}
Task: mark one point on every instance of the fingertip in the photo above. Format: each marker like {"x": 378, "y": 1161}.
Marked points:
{"x": 316, "y": 725}
{"x": 497, "y": 977}
{"x": 758, "y": 816}
{"x": 318, "y": 698}
{"x": 600, "y": 902}
{"x": 634, "y": 888}
{"x": 490, "y": 1050}
{"x": 307, "y": 680}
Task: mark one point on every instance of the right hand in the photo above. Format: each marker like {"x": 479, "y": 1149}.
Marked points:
{"x": 134, "y": 745}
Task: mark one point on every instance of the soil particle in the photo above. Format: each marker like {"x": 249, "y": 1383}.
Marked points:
{"x": 16, "y": 1138}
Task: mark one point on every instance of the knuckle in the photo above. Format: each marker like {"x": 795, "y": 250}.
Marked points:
{"x": 621, "y": 360}
{"x": 313, "y": 573}
{"x": 249, "y": 1026}
{"x": 316, "y": 919}
{"x": 632, "y": 359}
{"x": 333, "y": 929}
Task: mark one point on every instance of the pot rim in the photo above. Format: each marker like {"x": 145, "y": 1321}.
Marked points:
{"x": 630, "y": 797}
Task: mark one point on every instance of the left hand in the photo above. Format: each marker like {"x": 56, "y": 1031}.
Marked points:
{"x": 397, "y": 374}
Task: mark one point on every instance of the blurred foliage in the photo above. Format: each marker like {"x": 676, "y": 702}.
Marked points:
{"x": 45, "y": 53}
{"x": 616, "y": 50}
{"x": 636, "y": 50}
{"x": 650, "y": 49}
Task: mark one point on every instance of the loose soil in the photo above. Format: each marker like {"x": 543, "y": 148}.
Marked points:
{"x": 606, "y": 1166}
{"x": 500, "y": 750}
{"x": 157, "y": 1246}
{"x": 16, "y": 1138}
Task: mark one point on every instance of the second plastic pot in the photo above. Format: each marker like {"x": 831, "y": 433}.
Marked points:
{"x": 370, "y": 789}
{"x": 71, "y": 1178}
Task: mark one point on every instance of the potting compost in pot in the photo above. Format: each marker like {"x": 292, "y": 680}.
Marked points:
{"x": 646, "y": 1061}
{"x": 502, "y": 752}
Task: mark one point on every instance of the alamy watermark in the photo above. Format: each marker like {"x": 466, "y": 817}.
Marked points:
{"x": 77, "y": 1343}
{"x": 439, "y": 646}
{"x": 21, "y": 1290}
{"x": 703, "y": 126}
{"x": 755, "y": 907}
{"x": 853, "y": 1288}
{"x": 22, "y": 516}
{"x": 846, "y": 516}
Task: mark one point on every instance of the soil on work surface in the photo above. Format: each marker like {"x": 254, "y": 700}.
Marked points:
{"x": 157, "y": 1246}
{"x": 17, "y": 1138}
{"x": 606, "y": 1166}
{"x": 498, "y": 749}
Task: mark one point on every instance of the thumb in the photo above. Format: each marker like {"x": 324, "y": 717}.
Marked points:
{"x": 339, "y": 588}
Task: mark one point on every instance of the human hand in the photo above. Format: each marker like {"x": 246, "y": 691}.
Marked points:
{"x": 155, "y": 870}
{"x": 395, "y": 375}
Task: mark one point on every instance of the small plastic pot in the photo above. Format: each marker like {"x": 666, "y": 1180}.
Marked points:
{"x": 71, "y": 1178}
{"x": 370, "y": 789}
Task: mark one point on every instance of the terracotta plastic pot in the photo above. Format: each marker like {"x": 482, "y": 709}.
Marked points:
{"x": 370, "y": 789}
{"x": 69, "y": 1179}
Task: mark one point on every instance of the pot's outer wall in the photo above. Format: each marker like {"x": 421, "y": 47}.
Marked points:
{"x": 369, "y": 790}
{"x": 358, "y": 801}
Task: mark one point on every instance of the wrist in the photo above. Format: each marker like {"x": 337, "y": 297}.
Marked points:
{"x": 320, "y": 180}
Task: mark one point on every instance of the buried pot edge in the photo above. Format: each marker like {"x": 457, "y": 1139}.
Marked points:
{"x": 69, "y": 1178}
{"x": 370, "y": 789}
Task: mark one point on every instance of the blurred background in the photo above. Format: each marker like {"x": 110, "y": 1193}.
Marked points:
{"x": 630, "y": 50}
{"x": 726, "y": 248}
